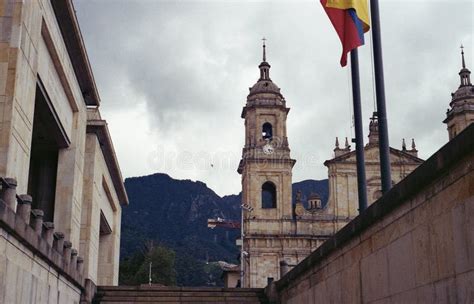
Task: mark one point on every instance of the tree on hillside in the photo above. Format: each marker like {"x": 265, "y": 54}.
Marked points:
{"x": 135, "y": 270}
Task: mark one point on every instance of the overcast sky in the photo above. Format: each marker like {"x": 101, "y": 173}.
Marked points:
{"x": 173, "y": 77}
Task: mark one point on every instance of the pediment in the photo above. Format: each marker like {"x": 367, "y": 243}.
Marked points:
{"x": 372, "y": 155}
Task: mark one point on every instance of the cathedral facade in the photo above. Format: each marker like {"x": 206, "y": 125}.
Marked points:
{"x": 278, "y": 234}
{"x": 342, "y": 174}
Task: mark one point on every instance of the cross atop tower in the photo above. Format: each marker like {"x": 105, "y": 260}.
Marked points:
{"x": 264, "y": 53}
{"x": 462, "y": 54}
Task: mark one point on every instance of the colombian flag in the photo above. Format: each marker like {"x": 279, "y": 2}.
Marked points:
{"x": 350, "y": 18}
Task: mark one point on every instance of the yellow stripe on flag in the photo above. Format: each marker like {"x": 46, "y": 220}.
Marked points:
{"x": 360, "y": 6}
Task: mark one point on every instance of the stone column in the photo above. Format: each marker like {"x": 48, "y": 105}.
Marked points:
{"x": 24, "y": 207}
{"x": 8, "y": 193}
{"x": 37, "y": 220}
{"x": 48, "y": 231}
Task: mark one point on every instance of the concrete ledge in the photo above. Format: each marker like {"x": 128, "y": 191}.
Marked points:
{"x": 432, "y": 169}
{"x": 26, "y": 235}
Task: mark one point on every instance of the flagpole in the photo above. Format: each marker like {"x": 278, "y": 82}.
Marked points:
{"x": 384, "y": 147}
{"x": 359, "y": 133}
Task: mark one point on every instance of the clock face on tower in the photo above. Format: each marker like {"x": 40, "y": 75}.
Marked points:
{"x": 268, "y": 149}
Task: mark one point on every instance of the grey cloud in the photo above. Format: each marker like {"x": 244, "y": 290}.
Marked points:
{"x": 192, "y": 62}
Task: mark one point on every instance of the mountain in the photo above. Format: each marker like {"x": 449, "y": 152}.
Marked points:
{"x": 174, "y": 213}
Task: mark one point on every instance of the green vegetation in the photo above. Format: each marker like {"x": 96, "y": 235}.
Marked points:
{"x": 135, "y": 269}
{"x": 168, "y": 268}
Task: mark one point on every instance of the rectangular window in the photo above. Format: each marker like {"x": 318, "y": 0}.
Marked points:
{"x": 47, "y": 139}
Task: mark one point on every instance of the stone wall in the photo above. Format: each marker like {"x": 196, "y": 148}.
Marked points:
{"x": 415, "y": 244}
{"x": 30, "y": 278}
{"x": 102, "y": 251}
{"x": 37, "y": 265}
{"x": 33, "y": 50}
{"x": 47, "y": 90}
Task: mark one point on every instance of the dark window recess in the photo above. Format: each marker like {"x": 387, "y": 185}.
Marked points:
{"x": 267, "y": 131}
{"x": 268, "y": 195}
{"x": 104, "y": 225}
{"x": 48, "y": 137}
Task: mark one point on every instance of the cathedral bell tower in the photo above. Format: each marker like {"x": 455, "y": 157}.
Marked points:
{"x": 461, "y": 113}
{"x": 266, "y": 169}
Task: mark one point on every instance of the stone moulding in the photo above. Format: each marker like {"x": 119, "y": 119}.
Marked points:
{"x": 436, "y": 166}
{"x": 26, "y": 235}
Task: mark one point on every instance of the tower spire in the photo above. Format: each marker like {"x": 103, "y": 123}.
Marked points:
{"x": 264, "y": 52}
{"x": 462, "y": 55}
{"x": 464, "y": 73}
{"x": 264, "y": 66}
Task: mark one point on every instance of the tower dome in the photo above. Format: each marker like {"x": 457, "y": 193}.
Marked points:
{"x": 264, "y": 84}
{"x": 461, "y": 111}
{"x": 466, "y": 89}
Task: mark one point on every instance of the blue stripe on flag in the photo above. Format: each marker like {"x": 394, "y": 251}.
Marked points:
{"x": 357, "y": 23}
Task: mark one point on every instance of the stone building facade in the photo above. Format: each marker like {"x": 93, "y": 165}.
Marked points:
{"x": 342, "y": 171}
{"x": 56, "y": 149}
{"x": 277, "y": 234}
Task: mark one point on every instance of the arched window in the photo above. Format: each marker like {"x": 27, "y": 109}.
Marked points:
{"x": 267, "y": 131}
{"x": 268, "y": 195}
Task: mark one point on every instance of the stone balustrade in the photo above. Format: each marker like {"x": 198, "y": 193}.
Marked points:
{"x": 28, "y": 227}
{"x": 37, "y": 220}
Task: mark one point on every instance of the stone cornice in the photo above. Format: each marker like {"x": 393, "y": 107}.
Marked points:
{"x": 99, "y": 127}
{"x": 282, "y": 107}
{"x": 243, "y": 162}
{"x": 69, "y": 26}
{"x": 458, "y": 110}
{"x": 397, "y": 152}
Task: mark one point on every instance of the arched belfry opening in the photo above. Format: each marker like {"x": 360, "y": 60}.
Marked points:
{"x": 268, "y": 195}
{"x": 267, "y": 131}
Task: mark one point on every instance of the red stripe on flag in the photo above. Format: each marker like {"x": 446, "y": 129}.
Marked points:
{"x": 346, "y": 30}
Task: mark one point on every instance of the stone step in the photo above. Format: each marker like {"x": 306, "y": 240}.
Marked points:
{"x": 178, "y": 295}
{"x": 167, "y": 288}
{"x": 137, "y": 293}
{"x": 180, "y": 300}
{"x": 175, "y": 302}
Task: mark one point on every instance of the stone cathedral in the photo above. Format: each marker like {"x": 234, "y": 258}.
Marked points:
{"x": 277, "y": 233}
{"x": 266, "y": 167}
